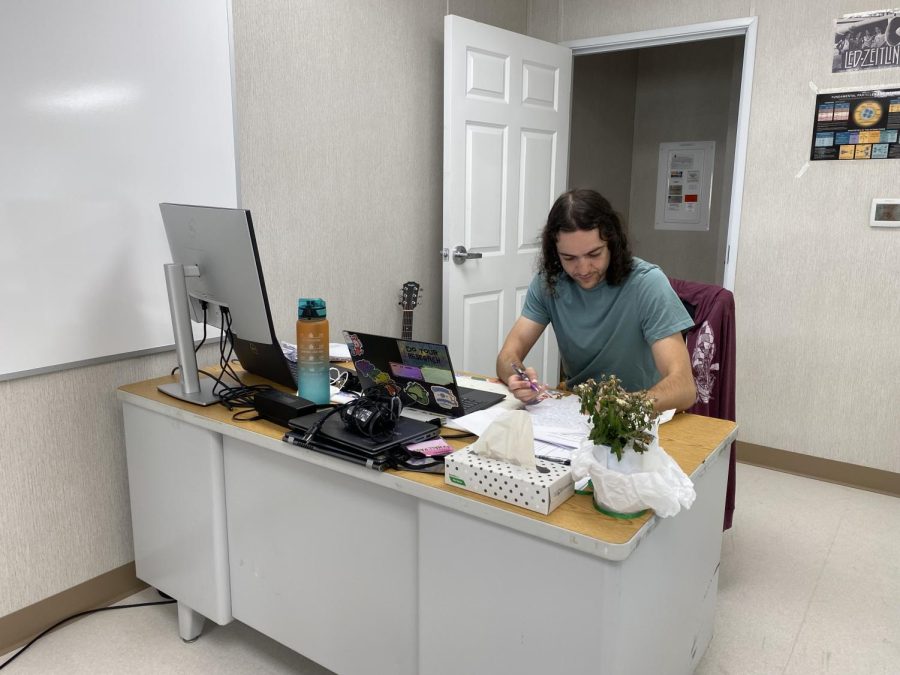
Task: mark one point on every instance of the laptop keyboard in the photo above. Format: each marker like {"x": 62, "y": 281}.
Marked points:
{"x": 469, "y": 404}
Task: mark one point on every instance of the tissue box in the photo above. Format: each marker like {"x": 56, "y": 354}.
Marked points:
{"x": 528, "y": 488}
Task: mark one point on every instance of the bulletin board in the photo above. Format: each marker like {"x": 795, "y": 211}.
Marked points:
{"x": 684, "y": 185}
{"x": 107, "y": 109}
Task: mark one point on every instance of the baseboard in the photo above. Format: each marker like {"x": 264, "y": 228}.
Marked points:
{"x": 832, "y": 471}
{"x": 18, "y": 628}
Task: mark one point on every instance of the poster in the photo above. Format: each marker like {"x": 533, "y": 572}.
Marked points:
{"x": 684, "y": 179}
{"x": 857, "y": 125}
{"x": 870, "y": 40}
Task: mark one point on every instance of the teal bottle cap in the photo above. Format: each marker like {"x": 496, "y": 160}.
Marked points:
{"x": 311, "y": 308}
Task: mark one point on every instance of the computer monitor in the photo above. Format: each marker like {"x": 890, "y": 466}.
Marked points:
{"x": 214, "y": 252}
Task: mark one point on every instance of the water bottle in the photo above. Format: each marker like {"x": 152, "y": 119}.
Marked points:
{"x": 312, "y": 351}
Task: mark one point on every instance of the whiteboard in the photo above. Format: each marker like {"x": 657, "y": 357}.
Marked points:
{"x": 107, "y": 108}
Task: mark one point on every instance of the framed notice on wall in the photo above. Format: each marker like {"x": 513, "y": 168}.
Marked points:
{"x": 857, "y": 125}
{"x": 684, "y": 184}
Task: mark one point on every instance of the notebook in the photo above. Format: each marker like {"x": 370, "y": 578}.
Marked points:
{"x": 334, "y": 438}
{"x": 421, "y": 369}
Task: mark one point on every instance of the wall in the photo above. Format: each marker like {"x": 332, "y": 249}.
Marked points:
{"x": 339, "y": 124}
{"x": 602, "y": 132}
{"x": 684, "y": 93}
{"x": 816, "y": 289}
{"x": 340, "y": 120}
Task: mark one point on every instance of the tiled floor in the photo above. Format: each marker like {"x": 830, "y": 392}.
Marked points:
{"x": 809, "y": 583}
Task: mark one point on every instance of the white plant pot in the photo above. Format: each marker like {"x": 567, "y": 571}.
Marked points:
{"x": 631, "y": 462}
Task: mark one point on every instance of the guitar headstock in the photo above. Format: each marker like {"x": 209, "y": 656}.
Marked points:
{"x": 409, "y": 295}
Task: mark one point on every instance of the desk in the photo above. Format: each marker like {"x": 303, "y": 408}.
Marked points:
{"x": 396, "y": 572}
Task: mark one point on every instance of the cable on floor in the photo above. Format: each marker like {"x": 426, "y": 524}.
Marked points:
{"x": 75, "y": 616}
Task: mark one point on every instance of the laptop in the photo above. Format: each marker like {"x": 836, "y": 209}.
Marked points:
{"x": 335, "y": 439}
{"x": 421, "y": 369}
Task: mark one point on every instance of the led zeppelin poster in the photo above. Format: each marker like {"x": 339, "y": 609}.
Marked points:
{"x": 866, "y": 41}
{"x": 857, "y": 125}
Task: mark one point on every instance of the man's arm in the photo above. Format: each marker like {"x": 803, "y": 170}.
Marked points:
{"x": 676, "y": 389}
{"x": 519, "y": 341}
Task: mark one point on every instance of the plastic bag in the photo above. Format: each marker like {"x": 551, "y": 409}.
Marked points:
{"x": 660, "y": 484}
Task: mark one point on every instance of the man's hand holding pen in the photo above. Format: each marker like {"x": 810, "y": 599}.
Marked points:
{"x": 524, "y": 384}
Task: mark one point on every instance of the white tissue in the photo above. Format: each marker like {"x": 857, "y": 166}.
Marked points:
{"x": 509, "y": 438}
{"x": 661, "y": 486}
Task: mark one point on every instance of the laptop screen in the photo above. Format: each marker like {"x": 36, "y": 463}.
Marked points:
{"x": 421, "y": 369}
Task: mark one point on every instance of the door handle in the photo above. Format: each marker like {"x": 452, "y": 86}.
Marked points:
{"x": 460, "y": 255}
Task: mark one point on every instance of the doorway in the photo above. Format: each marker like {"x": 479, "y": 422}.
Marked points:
{"x": 634, "y": 91}
{"x": 625, "y": 104}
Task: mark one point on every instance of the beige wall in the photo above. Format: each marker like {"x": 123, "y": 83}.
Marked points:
{"x": 339, "y": 124}
{"x": 816, "y": 288}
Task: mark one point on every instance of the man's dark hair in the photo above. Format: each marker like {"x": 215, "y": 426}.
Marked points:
{"x": 584, "y": 210}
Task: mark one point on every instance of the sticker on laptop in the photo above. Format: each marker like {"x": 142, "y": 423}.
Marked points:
{"x": 436, "y": 375}
{"x": 444, "y": 398}
{"x": 422, "y": 354}
{"x": 406, "y": 372}
{"x": 366, "y": 368}
{"x": 380, "y": 377}
{"x": 355, "y": 346}
{"x": 417, "y": 393}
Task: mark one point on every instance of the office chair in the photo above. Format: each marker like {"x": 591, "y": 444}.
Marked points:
{"x": 711, "y": 346}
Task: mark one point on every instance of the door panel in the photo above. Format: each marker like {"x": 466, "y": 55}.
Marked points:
{"x": 485, "y": 186}
{"x": 540, "y": 85}
{"x": 536, "y": 189}
{"x": 506, "y": 137}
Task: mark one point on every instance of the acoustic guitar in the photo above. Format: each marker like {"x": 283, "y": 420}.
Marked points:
{"x": 409, "y": 298}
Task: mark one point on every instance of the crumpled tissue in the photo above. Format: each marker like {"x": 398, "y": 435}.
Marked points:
{"x": 660, "y": 484}
{"x": 509, "y": 438}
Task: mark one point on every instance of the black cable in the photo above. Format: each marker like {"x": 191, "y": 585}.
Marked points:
{"x": 374, "y": 414}
{"x": 75, "y": 616}
{"x": 314, "y": 429}
{"x": 204, "y": 305}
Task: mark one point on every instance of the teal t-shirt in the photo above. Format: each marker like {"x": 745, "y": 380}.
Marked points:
{"x": 608, "y": 330}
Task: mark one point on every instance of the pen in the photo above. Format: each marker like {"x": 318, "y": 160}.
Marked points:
{"x": 521, "y": 373}
{"x": 557, "y": 460}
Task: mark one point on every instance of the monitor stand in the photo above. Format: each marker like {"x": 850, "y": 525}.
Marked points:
{"x": 190, "y": 387}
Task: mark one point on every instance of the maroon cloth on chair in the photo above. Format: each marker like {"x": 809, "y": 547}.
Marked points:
{"x": 711, "y": 346}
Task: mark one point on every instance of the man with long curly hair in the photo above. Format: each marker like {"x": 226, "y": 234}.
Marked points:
{"x": 612, "y": 313}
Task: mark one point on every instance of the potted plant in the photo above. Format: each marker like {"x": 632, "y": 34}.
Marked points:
{"x": 622, "y": 428}
{"x": 628, "y": 471}
{"x": 620, "y": 421}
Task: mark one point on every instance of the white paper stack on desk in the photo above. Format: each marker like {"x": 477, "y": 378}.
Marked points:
{"x": 558, "y": 425}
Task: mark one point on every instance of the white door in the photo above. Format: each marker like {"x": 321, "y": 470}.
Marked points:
{"x": 506, "y": 144}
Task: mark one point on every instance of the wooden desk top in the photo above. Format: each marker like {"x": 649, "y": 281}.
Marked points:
{"x": 689, "y": 439}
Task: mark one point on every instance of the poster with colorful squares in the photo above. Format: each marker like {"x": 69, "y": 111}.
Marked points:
{"x": 857, "y": 125}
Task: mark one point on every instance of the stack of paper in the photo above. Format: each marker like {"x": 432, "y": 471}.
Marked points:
{"x": 559, "y": 427}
